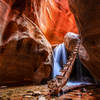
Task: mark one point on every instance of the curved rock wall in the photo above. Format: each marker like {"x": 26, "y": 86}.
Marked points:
{"x": 25, "y": 53}
{"x": 87, "y": 14}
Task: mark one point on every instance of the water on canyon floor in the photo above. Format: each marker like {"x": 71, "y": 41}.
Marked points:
{"x": 39, "y": 93}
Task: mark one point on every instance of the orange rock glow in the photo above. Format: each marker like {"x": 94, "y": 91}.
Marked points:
{"x": 55, "y": 19}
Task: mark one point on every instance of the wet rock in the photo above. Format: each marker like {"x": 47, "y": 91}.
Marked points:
{"x": 3, "y": 87}
{"x": 67, "y": 99}
{"x": 27, "y": 95}
{"x": 83, "y": 90}
{"x": 41, "y": 98}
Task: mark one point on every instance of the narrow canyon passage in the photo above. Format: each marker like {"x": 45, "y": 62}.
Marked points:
{"x": 32, "y": 39}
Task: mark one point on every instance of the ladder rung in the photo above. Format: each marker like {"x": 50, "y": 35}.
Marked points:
{"x": 59, "y": 77}
{"x": 63, "y": 70}
{"x": 74, "y": 52}
{"x": 71, "y": 59}
{"x": 68, "y": 63}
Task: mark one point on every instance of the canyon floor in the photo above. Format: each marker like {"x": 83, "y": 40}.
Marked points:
{"x": 39, "y": 92}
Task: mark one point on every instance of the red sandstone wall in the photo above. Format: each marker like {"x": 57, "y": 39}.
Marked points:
{"x": 55, "y": 19}
{"x": 52, "y": 16}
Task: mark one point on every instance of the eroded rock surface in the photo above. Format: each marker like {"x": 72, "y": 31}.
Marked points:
{"x": 25, "y": 54}
{"x": 87, "y": 15}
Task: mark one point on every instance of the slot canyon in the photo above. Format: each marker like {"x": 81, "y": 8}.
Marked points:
{"x": 30, "y": 30}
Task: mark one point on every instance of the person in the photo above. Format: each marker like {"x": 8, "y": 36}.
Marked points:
{"x": 62, "y": 52}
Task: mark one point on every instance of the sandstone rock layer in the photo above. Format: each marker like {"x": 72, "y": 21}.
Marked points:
{"x": 25, "y": 54}
{"x": 87, "y": 15}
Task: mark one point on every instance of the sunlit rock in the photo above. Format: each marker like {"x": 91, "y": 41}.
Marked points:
{"x": 53, "y": 17}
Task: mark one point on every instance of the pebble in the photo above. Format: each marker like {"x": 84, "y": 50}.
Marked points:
{"x": 27, "y": 95}
{"x": 3, "y": 87}
{"x": 30, "y": 92}
{"x": 83, "y": 90}
{"x": 41, "y": 98}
